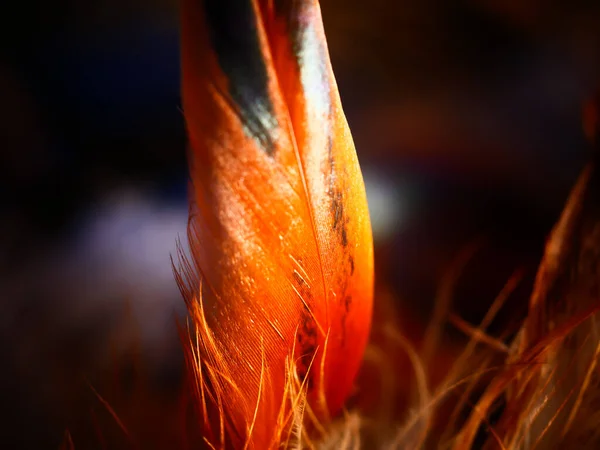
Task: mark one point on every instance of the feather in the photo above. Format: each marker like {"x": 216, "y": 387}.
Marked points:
{"x": 280, "y": 282}
{"x": 550, "y": 385}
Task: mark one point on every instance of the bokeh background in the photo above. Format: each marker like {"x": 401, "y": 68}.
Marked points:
{"x": 467, "y": 121}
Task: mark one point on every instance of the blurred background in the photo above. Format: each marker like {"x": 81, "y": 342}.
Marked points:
{"x": 467, "y": 121}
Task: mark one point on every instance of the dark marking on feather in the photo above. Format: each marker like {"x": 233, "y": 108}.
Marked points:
{"x": 233, "y": 32}
{"x": 351, "y": 261}
{"x": 340, "y": 219}
{"x": 347, "y": 305}
{"x": 306, "y": 349}
{"x": 344, "y": 236}
{"x": 337, "y": 208}
{"x": 307, "y": 333}
{"x": 342, "y": 283}
{"x": 283, "y": 8}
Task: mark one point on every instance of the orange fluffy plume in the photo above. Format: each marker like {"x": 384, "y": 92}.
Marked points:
{"x": 280, "y": 279}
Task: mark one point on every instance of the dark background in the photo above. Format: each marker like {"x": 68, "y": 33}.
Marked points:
{"x": 466, "y": 117}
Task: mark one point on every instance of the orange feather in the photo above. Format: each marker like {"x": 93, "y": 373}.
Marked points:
{"x": 280, "y": 284}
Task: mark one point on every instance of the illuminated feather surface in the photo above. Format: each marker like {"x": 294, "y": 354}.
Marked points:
{"x": 280, "y": 281}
